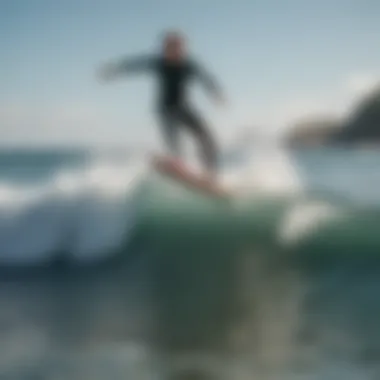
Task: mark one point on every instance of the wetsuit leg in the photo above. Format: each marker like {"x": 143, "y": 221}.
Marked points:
{"x": 170, "y": 131}
{"x": 207, "y": 144}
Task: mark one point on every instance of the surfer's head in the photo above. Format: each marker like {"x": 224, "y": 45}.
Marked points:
{"x": 174, "y": 46}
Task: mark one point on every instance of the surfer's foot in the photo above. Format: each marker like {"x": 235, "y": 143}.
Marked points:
{"x": 178, "y": 163}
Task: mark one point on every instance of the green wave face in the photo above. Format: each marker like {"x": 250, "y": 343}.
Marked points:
{"x": 315, "y": 225}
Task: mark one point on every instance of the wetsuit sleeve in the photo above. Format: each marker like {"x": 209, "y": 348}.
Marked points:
{"x": 206, "y": 79}
{"x": 137, "y": 64}
{"x": 132, "y": 65}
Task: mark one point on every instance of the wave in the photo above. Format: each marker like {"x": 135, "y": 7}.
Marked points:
{"x": 93, "y": 212}
{"x": 84, "y": 213}
{"x": 88, "y": 212}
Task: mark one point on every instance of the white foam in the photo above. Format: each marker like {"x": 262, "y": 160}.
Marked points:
{"x": 303, "y": 219}
{"x": 84, "y": 213}
{"x": 265, "y": 168}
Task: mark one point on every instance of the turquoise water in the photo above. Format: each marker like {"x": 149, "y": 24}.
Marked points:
{"x": 110, "y": 274}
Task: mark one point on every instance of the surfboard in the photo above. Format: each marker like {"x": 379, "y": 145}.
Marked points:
{"x": 181, "y": 173}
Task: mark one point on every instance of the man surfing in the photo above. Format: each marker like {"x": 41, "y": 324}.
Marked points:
{"x": 174, "y": 70}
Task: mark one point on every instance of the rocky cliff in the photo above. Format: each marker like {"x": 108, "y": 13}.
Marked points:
{"x": 362, "y": 127}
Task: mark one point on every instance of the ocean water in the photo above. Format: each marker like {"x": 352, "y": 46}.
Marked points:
{"x": 111, "y": 271}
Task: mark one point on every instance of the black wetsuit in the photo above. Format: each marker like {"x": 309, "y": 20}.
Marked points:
{"x": 173, "y": 106}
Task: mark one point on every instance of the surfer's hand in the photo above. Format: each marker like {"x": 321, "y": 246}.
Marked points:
{"x": 106, "y": 73}
{"x": 220, "y": 100}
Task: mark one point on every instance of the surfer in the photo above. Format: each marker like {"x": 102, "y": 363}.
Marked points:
{"x": 174, "y": 70}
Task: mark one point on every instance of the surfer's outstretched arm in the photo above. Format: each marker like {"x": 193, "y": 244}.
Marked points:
{"x": 208, "y": 80}
{"x": 127, "y": 66}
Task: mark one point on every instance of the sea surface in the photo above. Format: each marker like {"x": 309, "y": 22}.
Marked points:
{"x": 110, "y": 271}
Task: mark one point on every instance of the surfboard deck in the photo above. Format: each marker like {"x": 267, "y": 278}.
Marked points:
{"x": 178, "y": 171}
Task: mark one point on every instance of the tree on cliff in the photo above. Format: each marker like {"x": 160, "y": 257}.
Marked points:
{"x": 363, "y": 125}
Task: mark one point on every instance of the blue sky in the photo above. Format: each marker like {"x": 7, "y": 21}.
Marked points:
{"x": 277, "y": 60}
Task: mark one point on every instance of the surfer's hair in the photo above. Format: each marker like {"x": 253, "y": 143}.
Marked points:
{"x": 173, "y": 34}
